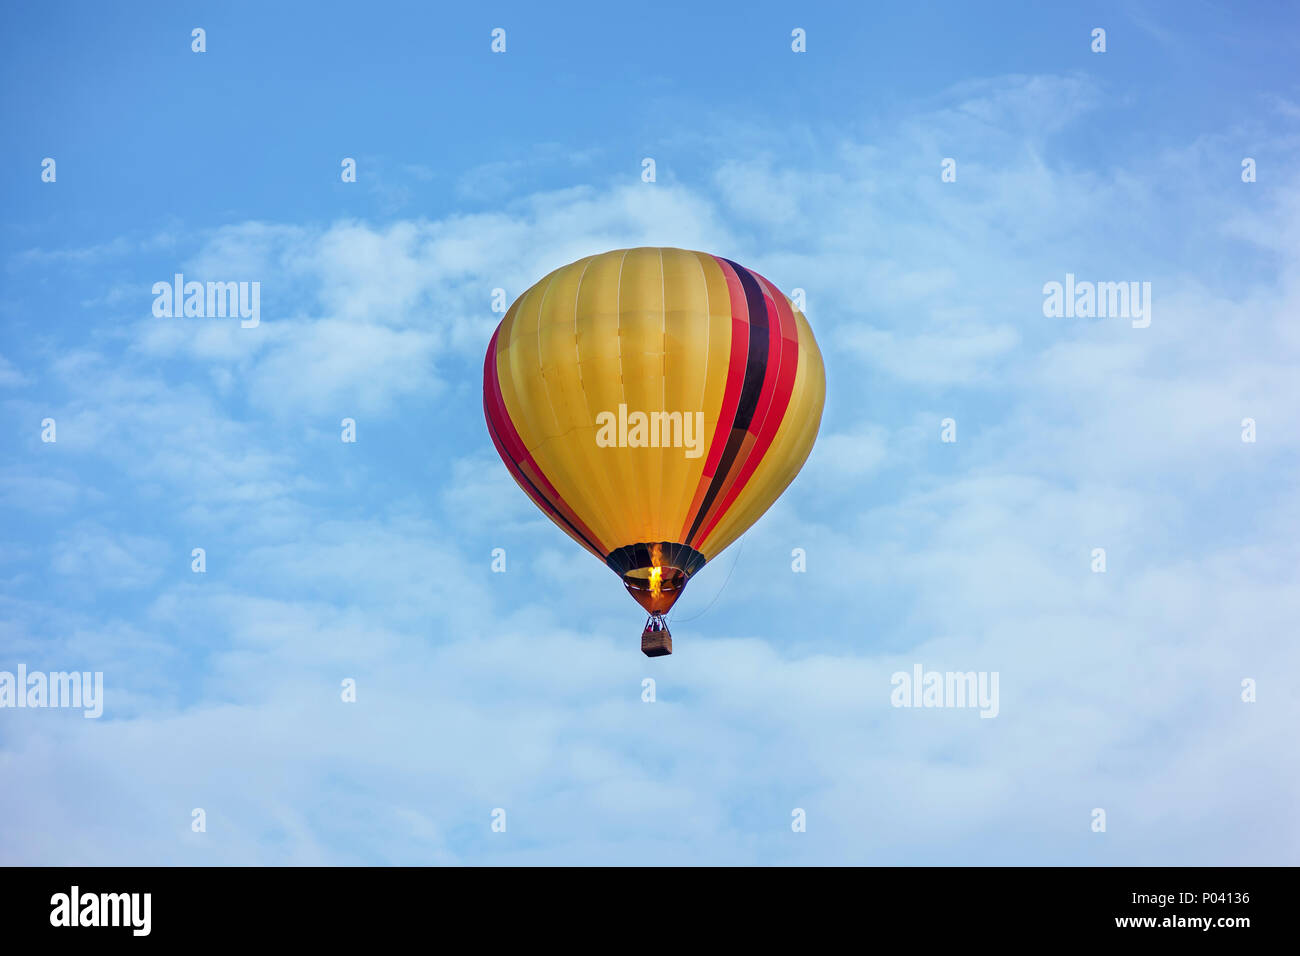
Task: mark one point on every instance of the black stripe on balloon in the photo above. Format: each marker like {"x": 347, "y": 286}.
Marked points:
{"x": 756, "y": 364}
{"x": 750, "y": 391}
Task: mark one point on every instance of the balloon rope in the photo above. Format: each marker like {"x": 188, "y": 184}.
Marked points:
{"x": 739, "y": 551}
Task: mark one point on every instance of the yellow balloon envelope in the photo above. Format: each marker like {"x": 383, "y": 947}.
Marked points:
{"x": 653, "y": 403}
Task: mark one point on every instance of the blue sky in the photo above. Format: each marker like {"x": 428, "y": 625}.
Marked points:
{"x": 523, "y": 690}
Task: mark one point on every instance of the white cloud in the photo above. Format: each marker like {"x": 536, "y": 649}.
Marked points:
{"x": 523, "y": 690}
{"x": 962, "y": 356}
{"x": 97, "y": 559}
{"x": 10, "y": 376}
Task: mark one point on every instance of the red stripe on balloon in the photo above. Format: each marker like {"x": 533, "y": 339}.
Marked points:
{"x": 731, "y": 395}
{"x": 778, "y": 386}
{"x": 523, "y": 468}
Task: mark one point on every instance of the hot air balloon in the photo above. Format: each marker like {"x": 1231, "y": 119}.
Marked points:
{"x": 653, "y": 403}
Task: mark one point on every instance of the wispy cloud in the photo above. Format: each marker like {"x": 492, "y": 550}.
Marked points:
{"x": 522, "y": 690}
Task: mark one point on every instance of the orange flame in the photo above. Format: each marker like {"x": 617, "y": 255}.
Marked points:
{"x": 656, "y": 581}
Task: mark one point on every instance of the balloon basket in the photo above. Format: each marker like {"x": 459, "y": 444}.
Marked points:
{"x": 655, "y": 639}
